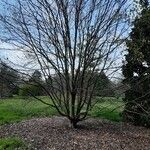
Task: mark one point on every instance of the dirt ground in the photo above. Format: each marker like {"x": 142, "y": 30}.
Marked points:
{"x": 93, "y": 134}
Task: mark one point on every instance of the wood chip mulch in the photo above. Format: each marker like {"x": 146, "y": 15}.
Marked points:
{"x": 93, "y": 134}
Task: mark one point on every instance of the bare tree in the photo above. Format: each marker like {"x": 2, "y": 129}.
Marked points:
{"x": 70, "y": 40}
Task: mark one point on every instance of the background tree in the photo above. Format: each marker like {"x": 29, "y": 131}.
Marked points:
{"x": 64, "y": 39}
{"x": 32, "y": 87}
{"x": 105, "y": 87}
{"x": 9, "y": 80}
{"x": 36, "y": 77}
{"x": 136, "y": 71}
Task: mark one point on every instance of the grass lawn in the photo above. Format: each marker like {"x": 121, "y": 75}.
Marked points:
{"x": 17, "y": 109}
{"x": 11, "y": 144}
{"x": 108, "y": 108}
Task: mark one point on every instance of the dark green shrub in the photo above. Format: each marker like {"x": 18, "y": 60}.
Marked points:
{"x": 30, "y": 90}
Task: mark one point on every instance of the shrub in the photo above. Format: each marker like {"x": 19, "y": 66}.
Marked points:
{"x": 30, "y": 90}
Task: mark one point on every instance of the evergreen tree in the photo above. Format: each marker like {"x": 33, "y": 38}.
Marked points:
{"x": 137, "y": 71}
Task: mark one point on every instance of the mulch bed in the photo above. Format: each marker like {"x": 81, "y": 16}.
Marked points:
{"x": 93, "y": 134}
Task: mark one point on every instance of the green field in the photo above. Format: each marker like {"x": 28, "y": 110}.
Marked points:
{"x": 17, "y": 109}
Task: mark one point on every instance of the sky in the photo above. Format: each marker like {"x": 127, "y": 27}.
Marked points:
{"x": 7, "y": 52}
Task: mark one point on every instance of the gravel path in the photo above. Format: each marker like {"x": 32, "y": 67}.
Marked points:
{"x": 94, "y": 134}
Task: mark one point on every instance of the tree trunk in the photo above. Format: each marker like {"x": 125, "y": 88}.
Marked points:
{"x": 74, "y": 123}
